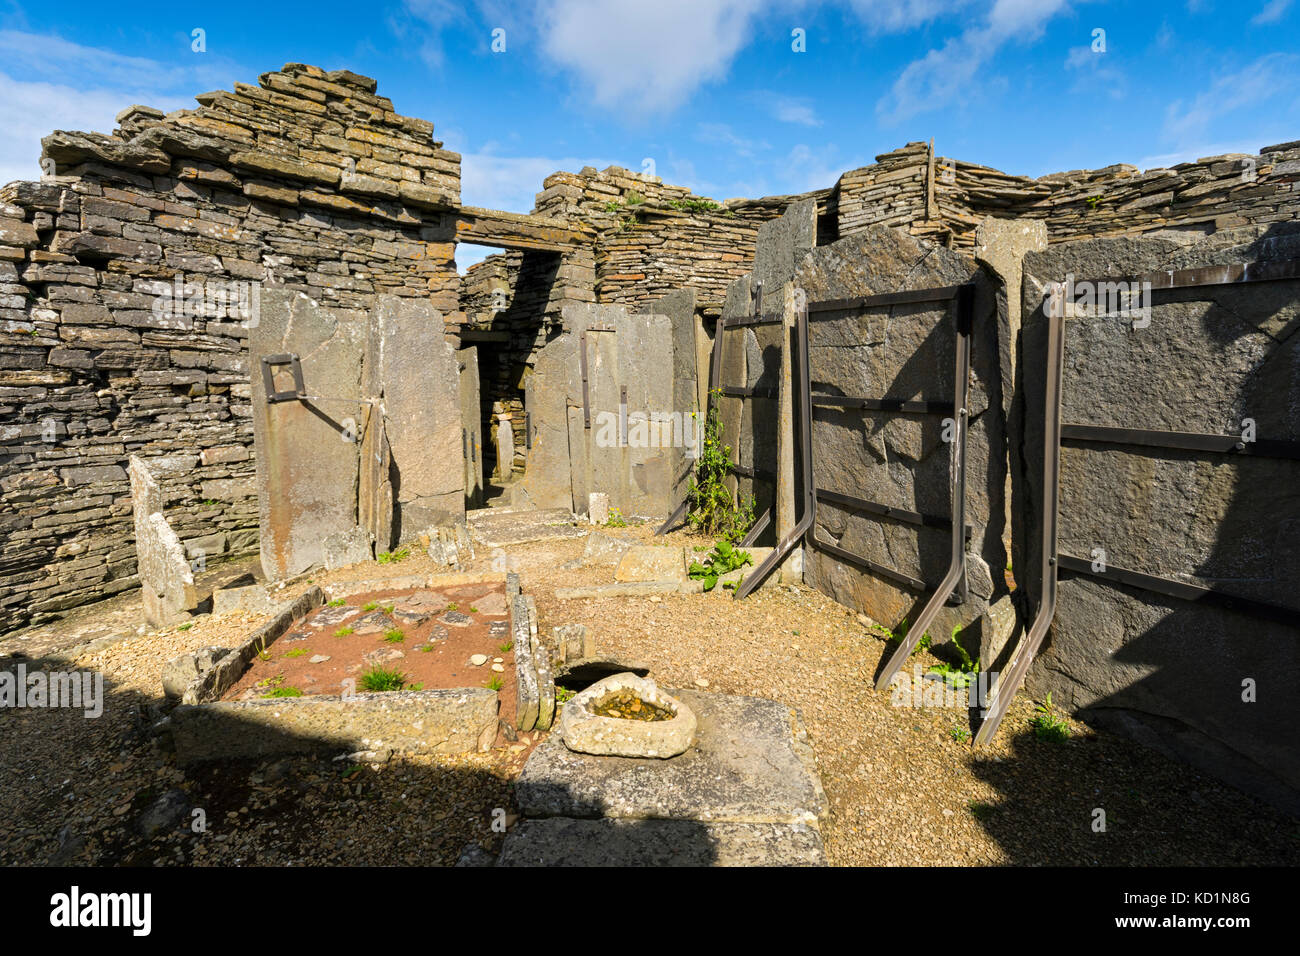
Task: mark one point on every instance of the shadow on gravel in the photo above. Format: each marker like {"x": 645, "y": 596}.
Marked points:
{"x": 1055, "y": 797}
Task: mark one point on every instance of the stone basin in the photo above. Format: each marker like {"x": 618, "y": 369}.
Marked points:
{"x": 585, "y": 731}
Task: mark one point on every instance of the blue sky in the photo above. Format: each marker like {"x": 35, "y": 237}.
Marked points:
{"x": 711, "y": 91}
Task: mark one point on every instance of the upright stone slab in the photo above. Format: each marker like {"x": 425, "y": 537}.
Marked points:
{"x": 412, "y": 370}
{"x": 905, "y": 352}
{"x": 679, "y": 307}
{"x": 166, "y": 579}
{"x": 307, "y": 458}
{"x": 471, "y": 423}
{"x": 1211, "y": 686}
{"x": 620, "y": 446}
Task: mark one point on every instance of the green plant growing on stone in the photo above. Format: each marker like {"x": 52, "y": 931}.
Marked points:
{"x": 453, "y": 606}
{"x": 507, "y": 647}
{"x": 392, "y": 557}
{"x": 370, "y": 605}
{"x": 494, "y": 682}
{"x": 286, "y": 691}
{"x": 296, "y": 652}
{"x": 394, "y": 636}
{"x": 713, "y": 509}
{"x": 1048, "y": 724}
{"x": 634, "y": 198}
{"x": 615, "y": 519}
{"x": 981, "y": 811}
{"x": 186, "y": 626}
{"x": 343, "y": 631}
{"x": 959, "y": 733}
{"x": 723, "y": 559}
{"x": 960, "y": 674}
{"x": 473, "y": 609}
{"x": 693, "y": 205}
{"x": 381, "y": 679}
{"x": 337, "y": 602}
{"x": 563, "y": 695}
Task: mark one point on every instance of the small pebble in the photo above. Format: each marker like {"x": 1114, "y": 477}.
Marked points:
{"x": 701, "y": 682}
{"x": 499, "y": 668}
{"x": 478, "y": 660}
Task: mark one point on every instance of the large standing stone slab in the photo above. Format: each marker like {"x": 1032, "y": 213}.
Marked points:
{"x": 1172, "y": 673}
{"x": 306, "y": 451}
{"x": 413, "y": 371}
{"x": 166, "y": 579}
{"x": 629, "y": 458}
{"x": 905, "y": 352}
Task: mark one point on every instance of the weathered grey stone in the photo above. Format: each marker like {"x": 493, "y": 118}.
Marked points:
{"x": 307, "y": 455}
{"x": 651, "y": 563}
{"x": 527, "y": 694}
{"x": 1167, "y": 671}
{"x": 751, "y": 763}
{"x": 679, "y": 308}
{"x": 471, "y": 424}
{"x": 559, "y": 841}
{"x": 604, "y": 549}
{"x": 438, "y": 721}
{"x": 573, "y": 455}
{"x": 624, "y": 589}
{"x": 347, "y": 547}
{"x": 908, "y": 353}
{"x": 180, "y": 673}
{"x": 167, "y": 586}
{"x": 586, "y": 731}
{"x": 573, "y": 641}
{"x": 597, "y": 507}
{"x": 498, "y": 528}
{"x": 414, "y": 370}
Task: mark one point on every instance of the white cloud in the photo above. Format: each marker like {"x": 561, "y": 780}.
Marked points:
{"x": 50, "y": 83}
{"x": 645, "y": 57}
{"x": 791, "y": 109}
{"x": 1273, "y": 11}
{"x": 1271, "y": 76}
{"x": 898, "y": 16}
{"x": 721, "y": 134}
{"x": 947, "y": 74}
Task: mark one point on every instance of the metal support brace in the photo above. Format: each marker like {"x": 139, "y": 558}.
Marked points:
{"x": 1002, "y": 692}
{"x": 955, "y": 579}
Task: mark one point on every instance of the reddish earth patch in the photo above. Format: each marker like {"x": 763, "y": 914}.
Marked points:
{"x": 440, "y": 629}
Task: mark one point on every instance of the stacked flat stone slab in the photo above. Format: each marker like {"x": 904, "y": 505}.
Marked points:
{"x": 746, "y": 792}
{"x": 166, "y": 579}
{"x": 901, "y": 460}
{"x": 309, "y": 179}
{"x": 1170, "y": 672}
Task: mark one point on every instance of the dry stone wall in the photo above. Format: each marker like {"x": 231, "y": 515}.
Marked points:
{"x": 131, "y": 275}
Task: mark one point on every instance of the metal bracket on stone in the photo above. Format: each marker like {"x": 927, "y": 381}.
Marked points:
{"x": 269, "y": 364}
{"x": 299, "y": 392}
{"x": 582, "y": 362}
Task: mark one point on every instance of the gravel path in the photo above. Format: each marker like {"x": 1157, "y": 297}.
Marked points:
{"x": 902, "y": 790}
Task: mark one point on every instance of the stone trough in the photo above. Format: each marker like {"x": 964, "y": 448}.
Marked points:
{"x": 433, "y": 721}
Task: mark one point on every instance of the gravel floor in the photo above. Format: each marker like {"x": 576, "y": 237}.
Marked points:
{"x": 902, "y": 790}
